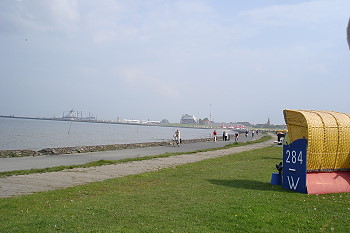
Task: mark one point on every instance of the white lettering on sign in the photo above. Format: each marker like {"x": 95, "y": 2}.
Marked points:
{"x": 291, "y": 182}
{"x": 300, "y": 157}
{"x": 288, "y": 156}
{"x": 292, "y": 157}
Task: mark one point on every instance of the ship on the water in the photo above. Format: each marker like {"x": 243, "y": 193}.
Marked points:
{"x": 76, "y": 115}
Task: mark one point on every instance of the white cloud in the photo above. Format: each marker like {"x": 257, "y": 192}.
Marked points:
{"x": 65, "y": 13}
{"x": 167, "y": 90}
{"x": 39, "y": 15}
{"x": 306, "y": 13}
{"x": 133, "y": 76}
{"x": 141, "y": 78}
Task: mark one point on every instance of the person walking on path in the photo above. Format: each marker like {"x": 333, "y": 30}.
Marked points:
{"x": 253, "y": 133}
{"x": 177, "y": 137}
{"x": 214, "y": 134}
{"x": 236, "y": 136}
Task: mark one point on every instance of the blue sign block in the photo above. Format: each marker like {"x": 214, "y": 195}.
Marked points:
{"x": 294, "y": 166}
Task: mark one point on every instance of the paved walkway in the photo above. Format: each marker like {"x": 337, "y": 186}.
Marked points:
{"x": 45, "y": 161}
{"x": 27, "y": 184}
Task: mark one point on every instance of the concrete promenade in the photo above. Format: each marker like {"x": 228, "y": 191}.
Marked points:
{"x": 39, "y": 182}
{"x": 45, "y": 161}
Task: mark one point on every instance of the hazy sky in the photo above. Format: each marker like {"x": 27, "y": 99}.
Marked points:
{"x": 159, "y": 59}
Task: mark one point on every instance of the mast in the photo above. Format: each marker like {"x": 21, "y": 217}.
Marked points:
{"x": 210, "y": 114}
{"x": 348, "y": 33}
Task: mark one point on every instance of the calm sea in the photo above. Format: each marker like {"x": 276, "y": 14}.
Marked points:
{"x": 38, "y": 134}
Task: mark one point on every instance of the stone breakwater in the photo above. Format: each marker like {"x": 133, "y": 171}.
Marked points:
{"x": 85, "y": 149}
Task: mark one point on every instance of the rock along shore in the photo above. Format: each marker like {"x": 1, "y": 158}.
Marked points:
{"x": 85, "y": 149}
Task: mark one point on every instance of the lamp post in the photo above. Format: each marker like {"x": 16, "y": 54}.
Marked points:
{"x": 348, "y": 33}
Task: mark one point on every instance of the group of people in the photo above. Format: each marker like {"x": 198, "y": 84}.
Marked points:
{"x": 253, "y": 133}
{"x": 225, "y": 136}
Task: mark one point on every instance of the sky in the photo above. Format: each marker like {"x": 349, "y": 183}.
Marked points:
{"x": 159, "y": 59}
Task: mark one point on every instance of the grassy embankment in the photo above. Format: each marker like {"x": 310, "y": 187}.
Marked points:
{"x": 107, "y": 162}
{"x": 226, "y": 194}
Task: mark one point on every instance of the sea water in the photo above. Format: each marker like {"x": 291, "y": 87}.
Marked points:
{"x": 31, "y": 134}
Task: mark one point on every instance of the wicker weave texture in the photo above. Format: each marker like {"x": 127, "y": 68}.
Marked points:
{"x": 328, "y": 135}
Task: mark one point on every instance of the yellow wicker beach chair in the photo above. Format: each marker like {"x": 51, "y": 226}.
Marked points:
{"x": 328, "y": 135}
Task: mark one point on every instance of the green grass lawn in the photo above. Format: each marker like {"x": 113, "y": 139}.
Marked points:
{"x": 226, "y": 194}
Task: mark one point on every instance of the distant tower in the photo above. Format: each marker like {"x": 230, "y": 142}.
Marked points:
{"x": 268, "y": 121}
{"x": 210, "y": 114}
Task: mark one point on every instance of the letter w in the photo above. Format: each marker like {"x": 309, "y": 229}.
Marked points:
{"x": 291, "y": 183}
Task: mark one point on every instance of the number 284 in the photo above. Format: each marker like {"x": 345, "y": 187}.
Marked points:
{"x": 292, "y": 157}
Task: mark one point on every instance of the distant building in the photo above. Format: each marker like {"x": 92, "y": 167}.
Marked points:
{"x": 76, "y": 115}
{"x": 165, "y": 121}
{"x": 268, "y": 121}
{"x": 151, "y": 122}
{"x": 187, "y": 119}
{"x": 71, "y": 115}
{"x": 206, "y": 121}
{"x": 131, "y": 121}
{"x": 245, "y": 123}
{"x": 268, "y": 125}
{"x": 90, "y": 118}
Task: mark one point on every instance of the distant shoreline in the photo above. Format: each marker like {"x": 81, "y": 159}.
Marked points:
{"x": 103, "y": 122}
